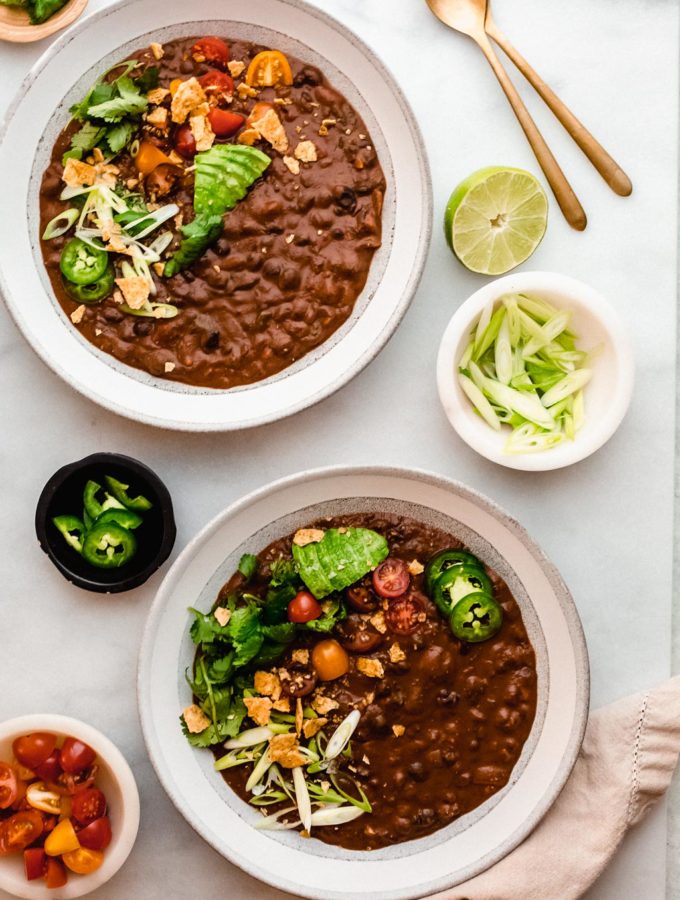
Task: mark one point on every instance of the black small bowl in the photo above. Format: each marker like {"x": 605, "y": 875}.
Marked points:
{"x": 63, "y": 495}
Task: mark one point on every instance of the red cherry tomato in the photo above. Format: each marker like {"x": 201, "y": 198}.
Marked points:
{"x": 76, "y": 756}
{"x": 224, "y": 122}
{"x": 404, "y": 614}
{"x": 19, "y": 831}
{"x": 12, "y": 788}
{"x": 56, "y": 876}
{"x": 391, "y": 578}
{"x": 51, "y": 769}
{"x": 96, "y": 835}
{"x": 303, "y": 607}
{"x": 185, "y": 142}
{"x": 211, "y": 50}
{"x": 88, "y": 805}
{"x": 35, "y": 863}
{"x": 217, "y": 82}
{"x": 33, "y": 749}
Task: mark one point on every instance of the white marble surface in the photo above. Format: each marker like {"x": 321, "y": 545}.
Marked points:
{"x": 606, "y": 522}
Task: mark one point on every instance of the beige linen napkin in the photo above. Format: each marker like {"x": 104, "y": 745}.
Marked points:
{"x": 625, "y": 765}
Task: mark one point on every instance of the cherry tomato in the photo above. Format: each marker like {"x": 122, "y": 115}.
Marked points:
{"x": 224, "y": 122}
{"x": 391, "y": 578}
{"x": 35, "y": 863}
{"x": 88, "y": 805}
{"x": 217, "y": 82}
{"x": 329, "y": 660}
{"x": 303, "y": 607}
{"x": 12, "y": 788}
{"x": 360, "y": 598}
{"x": 404, "y": 614}
{"x": 20, "y": 830}
{"x": 42, "y": 798}
{"x": 185, "y": 142}
{"x": 83, "y": 861}
{"x": 51, "y": 769}
{"x": 61, "y": 839}
{"x": 211, "y": 50}
{"x": 56, "y": 876}
{"x": 33, "y": 749}
{"x": 268, "y": 68}
{"x": 96, "y": 835}
{"x": 76, "y": 756}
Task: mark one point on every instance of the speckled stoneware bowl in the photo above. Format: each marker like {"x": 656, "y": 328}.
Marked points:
{"x": 40, "y": 111}
{"x": 312, "y": 868}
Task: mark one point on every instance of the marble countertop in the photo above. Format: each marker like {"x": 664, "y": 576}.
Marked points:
{"x": 616, "y": 65}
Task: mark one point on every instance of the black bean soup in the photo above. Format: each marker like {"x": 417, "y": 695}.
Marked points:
{"x": 292, "y": 258}
{"x": 442, "y": 729}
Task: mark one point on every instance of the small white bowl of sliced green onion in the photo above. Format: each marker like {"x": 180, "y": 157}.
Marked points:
{"x": 535, "y": 371}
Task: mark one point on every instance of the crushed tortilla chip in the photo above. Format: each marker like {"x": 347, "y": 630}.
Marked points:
{"x": 157, "y": 95}
{"x": 202, "y": 132}
{"x": 248, "y": 136}
{"x": 415, "y": 567}
{"x": 396, "y": 653}
{"x": 292, "y": 164}
{"x": 245, "y": 90}
{"x": 196, "y": 719}
{"x": 398, "y": 730}
{"x": 168, "y": 367}
{"x": 323, "y": 705}
{"x": 77, "y": 314}
{"x": 135, "y": 290}
{"x": 188, "y": 96}
{"x": 236, "y": 67}
{"x": 259, "y": 709}
{"x": 157, "y": 50}
{"x": 283, "y": 749}
{"x": 305, "y": 151}
{"x": 299, "y": 715}
{"x": 77, "y": 173}
{"x": 304, "y": 536}
{"x": 158, "y": 117}
{"x": 300, "y": 656}
{"x": 282, "y": 705}
{"x": 222, "y": 614}
{"x": 313, "y": 726}
{"x": 377, "y": 620}
{"x": 270, "y": 127}
{"x": 371, "y": 668}
{"x": 268, "y": 684}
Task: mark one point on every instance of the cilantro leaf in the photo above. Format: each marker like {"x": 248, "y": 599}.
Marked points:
{"x": 204, "y": 739}
{"x": 118, "y": 136}
{"x": 205, "y": 628}
{"x": 248, "y": 565}
{"x": 220, "y": 668}
{"x": 282, "y": 634}
{"x": 116, "y": 109}
{"x": 245, "y": 633}
{"x": 88, "y": 137}
{"x": 269, "y": 653}
{"x": 335, "y": 612}
{"x": 148, "y": 80}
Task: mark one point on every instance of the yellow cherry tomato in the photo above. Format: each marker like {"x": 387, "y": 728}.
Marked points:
{"x": 149, "y": 156}
{"x": 330, "y": 660}
{"x": 268, "y": 68}
{"x": 174, "y": 84}
{"x": 41, "y": 797}
{"x": 62, "y": 839}
{"x": 83, "y": 861}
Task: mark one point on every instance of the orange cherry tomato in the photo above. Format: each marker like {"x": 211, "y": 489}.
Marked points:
{"x": 62, "y": 839}
{"x": 268, "y": 68}
{"x": 174, "y": 84}
{"x": 330, "y": 660}
{"x": 20, "y": 830}
{"x": 149, "y": 156}
{"x": 83, "y": 861}
{"x": 57, "y": 875}
{"x": 33, "y": 749}
{"x": 12, "y": 789}
{"x": 211, "y": 50}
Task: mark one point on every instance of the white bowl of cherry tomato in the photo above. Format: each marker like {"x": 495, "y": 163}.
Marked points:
{"x": 69, "y": 807}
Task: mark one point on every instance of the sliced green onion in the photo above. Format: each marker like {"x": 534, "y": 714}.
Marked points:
{"x": 579, "y": 410}
{"x": 479, "y": 401}
{"x": 304, "y": 804}
{"x": 529, "y": 439}
{"x": 552, "y": 328}
{"x": 512, "y": 315}
{"x": 503, "y": 353}
{"x": 153, "y": 310}
{"x": 488, "y": 336}
{"x": 337, "y": 815}
{"x": 60, "y": 224}
{"x": 249, "y": 738}
{"x": 259, "y": 770}
{"x": 340, "y": 737}
{"x": 272, "y": 823}
{"x": 527, "y": 405}
{"x": 150, "y": 221}
{"x": 571, "y": 383}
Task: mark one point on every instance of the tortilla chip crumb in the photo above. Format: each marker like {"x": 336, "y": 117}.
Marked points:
{"x": 299, "y": 715}
{"x": 377, "y": 620}
{"x": 270, "y": 127}
{"x": 157, "y": 95}
{"x": 300, "y": 656}
{"x": 235, "y": 66}
{"x": 259, "y": 709}
{"x": 290, "y": 238}
{"x": 159, "y": 268}
{"x": 323, "y": 128}
{"x": 169, "y": 367}
{"x": 135, "y": 290}
{"x": 323, "y": 705}
{"x": 366, "y": 760}
{"x": 196, "y": 720}
{"x": 248, "y": 136}
{"x": 283, "y": 749}
{"x": 371, "y": 668}
{"x": 304, "y": 536}
{"x": 98, "y": 331}
{"x": 305, "y": 151}
{"x": 77, "y": 174}
{"x": 157, "y": 50}
{"x": 268, "y": 684}
{"x": 77, "y": 314}
{"x": 282, "y": 705}
{"x": 396, "y": 653}
{"x": 221, "y": 613}
{"x": 398, "y": 730}
{"x": 158, "y": 117}
{"x": 292, "y": 164}
{"x": 202, "y": 132}
{"x": 188, "y": 96}
{"x": 313, "y": 726}
{"x": 415, "y": 567}
{"x": 245, "y": 90}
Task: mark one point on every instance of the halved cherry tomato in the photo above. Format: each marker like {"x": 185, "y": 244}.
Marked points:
{"x": 61, "y": 839}
{"x": 303, "y": 608}
{"x": 51, "y": 769}
{"x": 211, "y": 50}
{"x": 268, "y": 68}
{"x": 391, "y": 578}
{"x": 83, "y": 861}
{"x": 217, "y": 82}
{"x": 330, "y": 660}
{"x": 40, "y": 797}
{"x": 404, "y": 614}
{"x": 20, "y": 830}
{"x": 96, "y": 835}
{"x": 56, "y": 876}
{"x": 174, "y": 84}
{"x": 33, "y": 749}
{"x": 76, "y": 756}
{"x": 88, "y": 805}
{"x": 185, "y": 142}
{"x": 148, "y": 157}
{"x": 12, "y": 788}
{"x": 360, "y": 598}
{"x": 35, "y": 863}
{"x": 225, "y": 123}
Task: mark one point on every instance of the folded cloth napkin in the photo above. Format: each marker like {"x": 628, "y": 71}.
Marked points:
{"x": 625, "y": 765}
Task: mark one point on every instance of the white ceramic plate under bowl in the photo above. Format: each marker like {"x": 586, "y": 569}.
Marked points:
{"x": 308, "y": 867}
{"x": 607, "y": 396}
{"x": 40, "y": 111}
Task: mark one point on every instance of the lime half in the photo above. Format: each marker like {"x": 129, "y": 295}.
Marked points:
{"x": 495, "y": 219}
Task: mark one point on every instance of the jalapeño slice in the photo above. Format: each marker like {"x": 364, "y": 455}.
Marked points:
{"x": 456, "y": 583}
{"x": 476, "y": 618}
{"x": 446, "y": 559}
{"x": 82, "y": 264}
{"x": 109, "y": 546}
{"x": 95, "y": 290}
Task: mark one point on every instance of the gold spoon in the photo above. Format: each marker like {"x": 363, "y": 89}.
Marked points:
{"x": 608, "y": 168}
{"x": 467, "y": 16}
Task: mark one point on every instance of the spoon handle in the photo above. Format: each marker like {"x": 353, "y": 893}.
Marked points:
{"x": 563, "y": 191}
{"x": 608, "y": 168}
